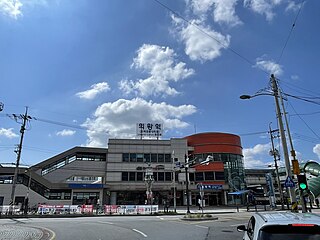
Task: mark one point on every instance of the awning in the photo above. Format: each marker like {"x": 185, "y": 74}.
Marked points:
{"x": 239, "y": 192}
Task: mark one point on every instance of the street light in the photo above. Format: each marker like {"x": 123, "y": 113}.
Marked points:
{"x": 277, "y": 94}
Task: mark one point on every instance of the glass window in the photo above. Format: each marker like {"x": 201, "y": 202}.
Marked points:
{"x": 216, "y": 157}
{"x": 161, "y": 158}
{"x": 167, "y": 158}
{"x": 125, "y": 157}
{"x": 155, "y": 176}
{"x": 133, "y": 157}
{"x": 208, "y": 176}
{"x": 154, "y": 157}
{"x": 284, "y": 232}
{"x": 147, "y": 157}
{"x": 168, "y": 176}
{"x": 160, "y": 176}
{"x": 132, "y": 176}
{"x": 224, "y": 157}
{"x": 125, "y": 176}
{"x": 139, "y": 157}
{"x": 139, "y": 176}
{"x": 191, "y": 177}
{"x": 219, "y": 175}
{"x": 199, "y": 176}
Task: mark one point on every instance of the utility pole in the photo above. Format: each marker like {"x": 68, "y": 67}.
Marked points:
{"x": 275, "y": 156}
{"x": 174, "y": 183}
{"x": 25, "y": 118}
{"x": 277, "y": 93}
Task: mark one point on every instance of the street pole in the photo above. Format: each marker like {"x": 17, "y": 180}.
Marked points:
{"x": 277, "y": 93}
{"x": 15, "y": 177}
{"x": 26, "y": 201}
{"x": 187, "y": 183}
{"x": 275, "y": 155}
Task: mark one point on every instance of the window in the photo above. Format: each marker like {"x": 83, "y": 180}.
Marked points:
{"x": 125, "y": 157}
{"x": 209, "y": 176}
{"x": 139, "y": 157}
{"x": 147, "y": 157}
{"x": 154, "y": 157}
{"x": 160, "y": 158}
{"x": 133, "y": 157}
{"x": 199, "y": 176}
{"x": 168, "y": 176}
{"x": 132, "y": 176}
{"x": 160, "y": 176}
{"x": 139, "y": 176}
{"x": 219, "y": 175}
{"x": 167, "y": 158}
{"x": 125, "y": 176}
{"x": 191, "y": 177}
{"x": 250, "y": 227}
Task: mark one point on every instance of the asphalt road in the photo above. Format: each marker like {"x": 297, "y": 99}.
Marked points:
{"x": 133, "y": 227}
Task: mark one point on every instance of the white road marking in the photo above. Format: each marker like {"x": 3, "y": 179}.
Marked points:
{"x": 201, "y": 226}
{"x": 145, "y": 235}
{"x": 105, "y": 222}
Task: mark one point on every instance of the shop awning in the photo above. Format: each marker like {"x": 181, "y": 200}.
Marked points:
{"x": 239, "y": 192}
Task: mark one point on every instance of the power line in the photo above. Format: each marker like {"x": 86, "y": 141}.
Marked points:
{"x": 290, "y": 32}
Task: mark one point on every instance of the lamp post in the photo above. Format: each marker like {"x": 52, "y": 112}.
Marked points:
{"x": 186, "y": 166}
{"x": 174, "y": 183}
{"x": 148, "y": 178}
{"x": 276, "y": 93}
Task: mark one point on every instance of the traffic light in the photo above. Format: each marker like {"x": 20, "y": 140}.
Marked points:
{"x": 302, "y": 181}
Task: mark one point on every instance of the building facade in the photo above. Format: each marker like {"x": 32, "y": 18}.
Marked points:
{"x": 131, "y": 171}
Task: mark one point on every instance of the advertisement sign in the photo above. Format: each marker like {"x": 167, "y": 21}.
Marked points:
{"x": 149, "y": 130}
{"x": 130, "y": 209}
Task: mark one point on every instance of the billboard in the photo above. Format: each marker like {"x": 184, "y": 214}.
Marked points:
{"x": 150, "y": 130}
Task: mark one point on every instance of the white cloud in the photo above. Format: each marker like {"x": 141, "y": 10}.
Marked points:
{"x": 94, "y": 91}
{"x": 263, "y": 7}
{"x": 11, "y": 8}
{"x": 8, "y": 133}
{"x": 269, "y": 66}
{"x": 223, "y": 11}
{"x": 292, "y": 6}
{"x": 119, "y": 118}
{"x": 199, "y": 46}
{"x": 316, "y": 150}
{"x": 253, "y": 156}
{"x": 65, "y": 133}
{"x": 159, "y": 62}
{"x": 294, "y": 77}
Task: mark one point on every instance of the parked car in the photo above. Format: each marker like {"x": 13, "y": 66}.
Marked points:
{"x": 282, "y": 226}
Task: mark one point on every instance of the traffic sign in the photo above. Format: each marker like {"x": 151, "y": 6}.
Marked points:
{"x": 289, "y": 182}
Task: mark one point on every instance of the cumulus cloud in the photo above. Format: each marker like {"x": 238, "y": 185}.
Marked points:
{"x": 119, "y": 118}
{"x": 94, "y": 91}
{"x": 159, "y": 63}
{"x": 223, "y": 11}
{"x": 263, "y": 7}
{"x": 65, "y": 133}
{"x": 11, "y": 8}
{"x": 253, "y": 157}
{"x": 316, "y": 150}
{"x": 292, "y": 6}
{"x": 201, "y": 42}
{"x": 269, "y": 66}
{"x": 8, "y": 133}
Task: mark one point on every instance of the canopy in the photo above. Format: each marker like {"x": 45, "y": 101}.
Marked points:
{"x": 239, "y": 192}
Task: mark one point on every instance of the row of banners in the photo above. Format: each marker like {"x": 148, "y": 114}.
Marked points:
{"x": 89, "y": 209}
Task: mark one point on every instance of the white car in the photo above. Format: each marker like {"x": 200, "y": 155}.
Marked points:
{"x": 282, "y": 226}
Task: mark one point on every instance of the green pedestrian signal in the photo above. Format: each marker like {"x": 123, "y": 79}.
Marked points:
{"x": 302, "y": 181}
{"x": 302, "y": 186}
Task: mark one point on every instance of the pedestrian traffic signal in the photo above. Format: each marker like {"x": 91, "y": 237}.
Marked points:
{"x": 302, "y": 181}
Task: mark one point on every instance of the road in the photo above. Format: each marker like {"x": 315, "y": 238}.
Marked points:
{"x": 130, "y": 227}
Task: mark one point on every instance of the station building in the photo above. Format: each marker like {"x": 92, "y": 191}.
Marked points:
{"x": 116, "y": 175}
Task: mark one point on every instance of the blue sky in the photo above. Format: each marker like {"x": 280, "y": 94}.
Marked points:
{"x": 96, "y": 68}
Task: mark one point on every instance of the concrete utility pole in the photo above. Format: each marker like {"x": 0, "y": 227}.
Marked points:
{"x": 174, "y": 183}
{"x": 277, "y": 94}
{"x": 25, "y": 118}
